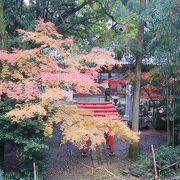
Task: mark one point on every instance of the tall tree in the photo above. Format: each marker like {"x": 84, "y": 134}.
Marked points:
{"x": 2, "y": 46}
{"x": 36, "y": 82}
{"x": 134, "y": 148}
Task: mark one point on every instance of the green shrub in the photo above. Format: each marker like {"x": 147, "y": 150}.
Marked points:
{"x": 28, "y": 138}
{"x": 1, "y": 174}
{"x": 165, "y": 157}
{"x": 13, "y": 175}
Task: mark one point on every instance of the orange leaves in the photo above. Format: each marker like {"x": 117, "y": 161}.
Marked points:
{"x": 148, "y": 88}
{"x": 47, "y": 28}
{"x": 6, "y": 57}
{"x": 1, "y": 89}
{"x": 150, "y": 91}
{"x": 77, "y": 128}
{"x": 48, "y": 129}
{"x": 23, "y": 90}
{"x": 36, "y": 111}
{"x": 45, "y": 33}
{"x": 34, "y": 69}
{"x": 53, "y": 94}
{"x": 82, "y": 83}
{"x": 5, "y": 71}
{"x": 101, "y": 58}
{"x": 38, "y": 80}
{"x": 17, "y": 76}
{"x": 145, "y": 76}
{"x": 115, "y": 82}
{"x": 26, "y": 111}
{"x": 26, "y": 54}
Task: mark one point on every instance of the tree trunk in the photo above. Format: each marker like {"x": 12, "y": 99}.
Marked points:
{"x": 134, "y": 148}
{"x": 2, "y": 46}
{"x": 1, "y": 155}
{"x": 38, "y": 10}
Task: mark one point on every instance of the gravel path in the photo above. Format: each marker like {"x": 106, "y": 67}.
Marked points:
{"x": 66, "y": 162}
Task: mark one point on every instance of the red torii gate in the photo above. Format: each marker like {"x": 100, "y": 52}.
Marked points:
{"x": 100, "y": 109}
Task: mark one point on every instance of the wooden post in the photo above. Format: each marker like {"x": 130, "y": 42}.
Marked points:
{"x": 155, "y": 167}
{"x": 35, "y": 175}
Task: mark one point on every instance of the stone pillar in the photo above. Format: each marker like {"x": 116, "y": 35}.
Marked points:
{"x": 128, "y": 105}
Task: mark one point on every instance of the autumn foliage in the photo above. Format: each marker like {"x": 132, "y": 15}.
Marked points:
{"x": 36, "y": 79}
{"x": 151, "y": 86}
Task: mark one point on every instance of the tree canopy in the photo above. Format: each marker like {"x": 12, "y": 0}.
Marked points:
{"x": 32, "y": 88}
{"x": 92, "y": 22}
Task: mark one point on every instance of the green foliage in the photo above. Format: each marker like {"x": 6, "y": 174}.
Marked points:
{"x": 1, "y": 174}
{"x": 18, "y": 176}
{"x": 17, "y": 15}
{"x": 163, "y": 23}
{"x": 142, "y": 165}
{"x": 87, "y": 21}
{"x": 116, "y": 69}
{"x": 2, "y": 28}
{"x": 165, "y": 156}
{"x": 13, "y": 175}
{"x": 176, "y": 108}
{"x": 87, "y": 63}
{"x": 163, "y": 42}
{"x": 28, "y": 136}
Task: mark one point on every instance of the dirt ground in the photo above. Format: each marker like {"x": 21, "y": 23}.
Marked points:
{"x": 66, "y": 162}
